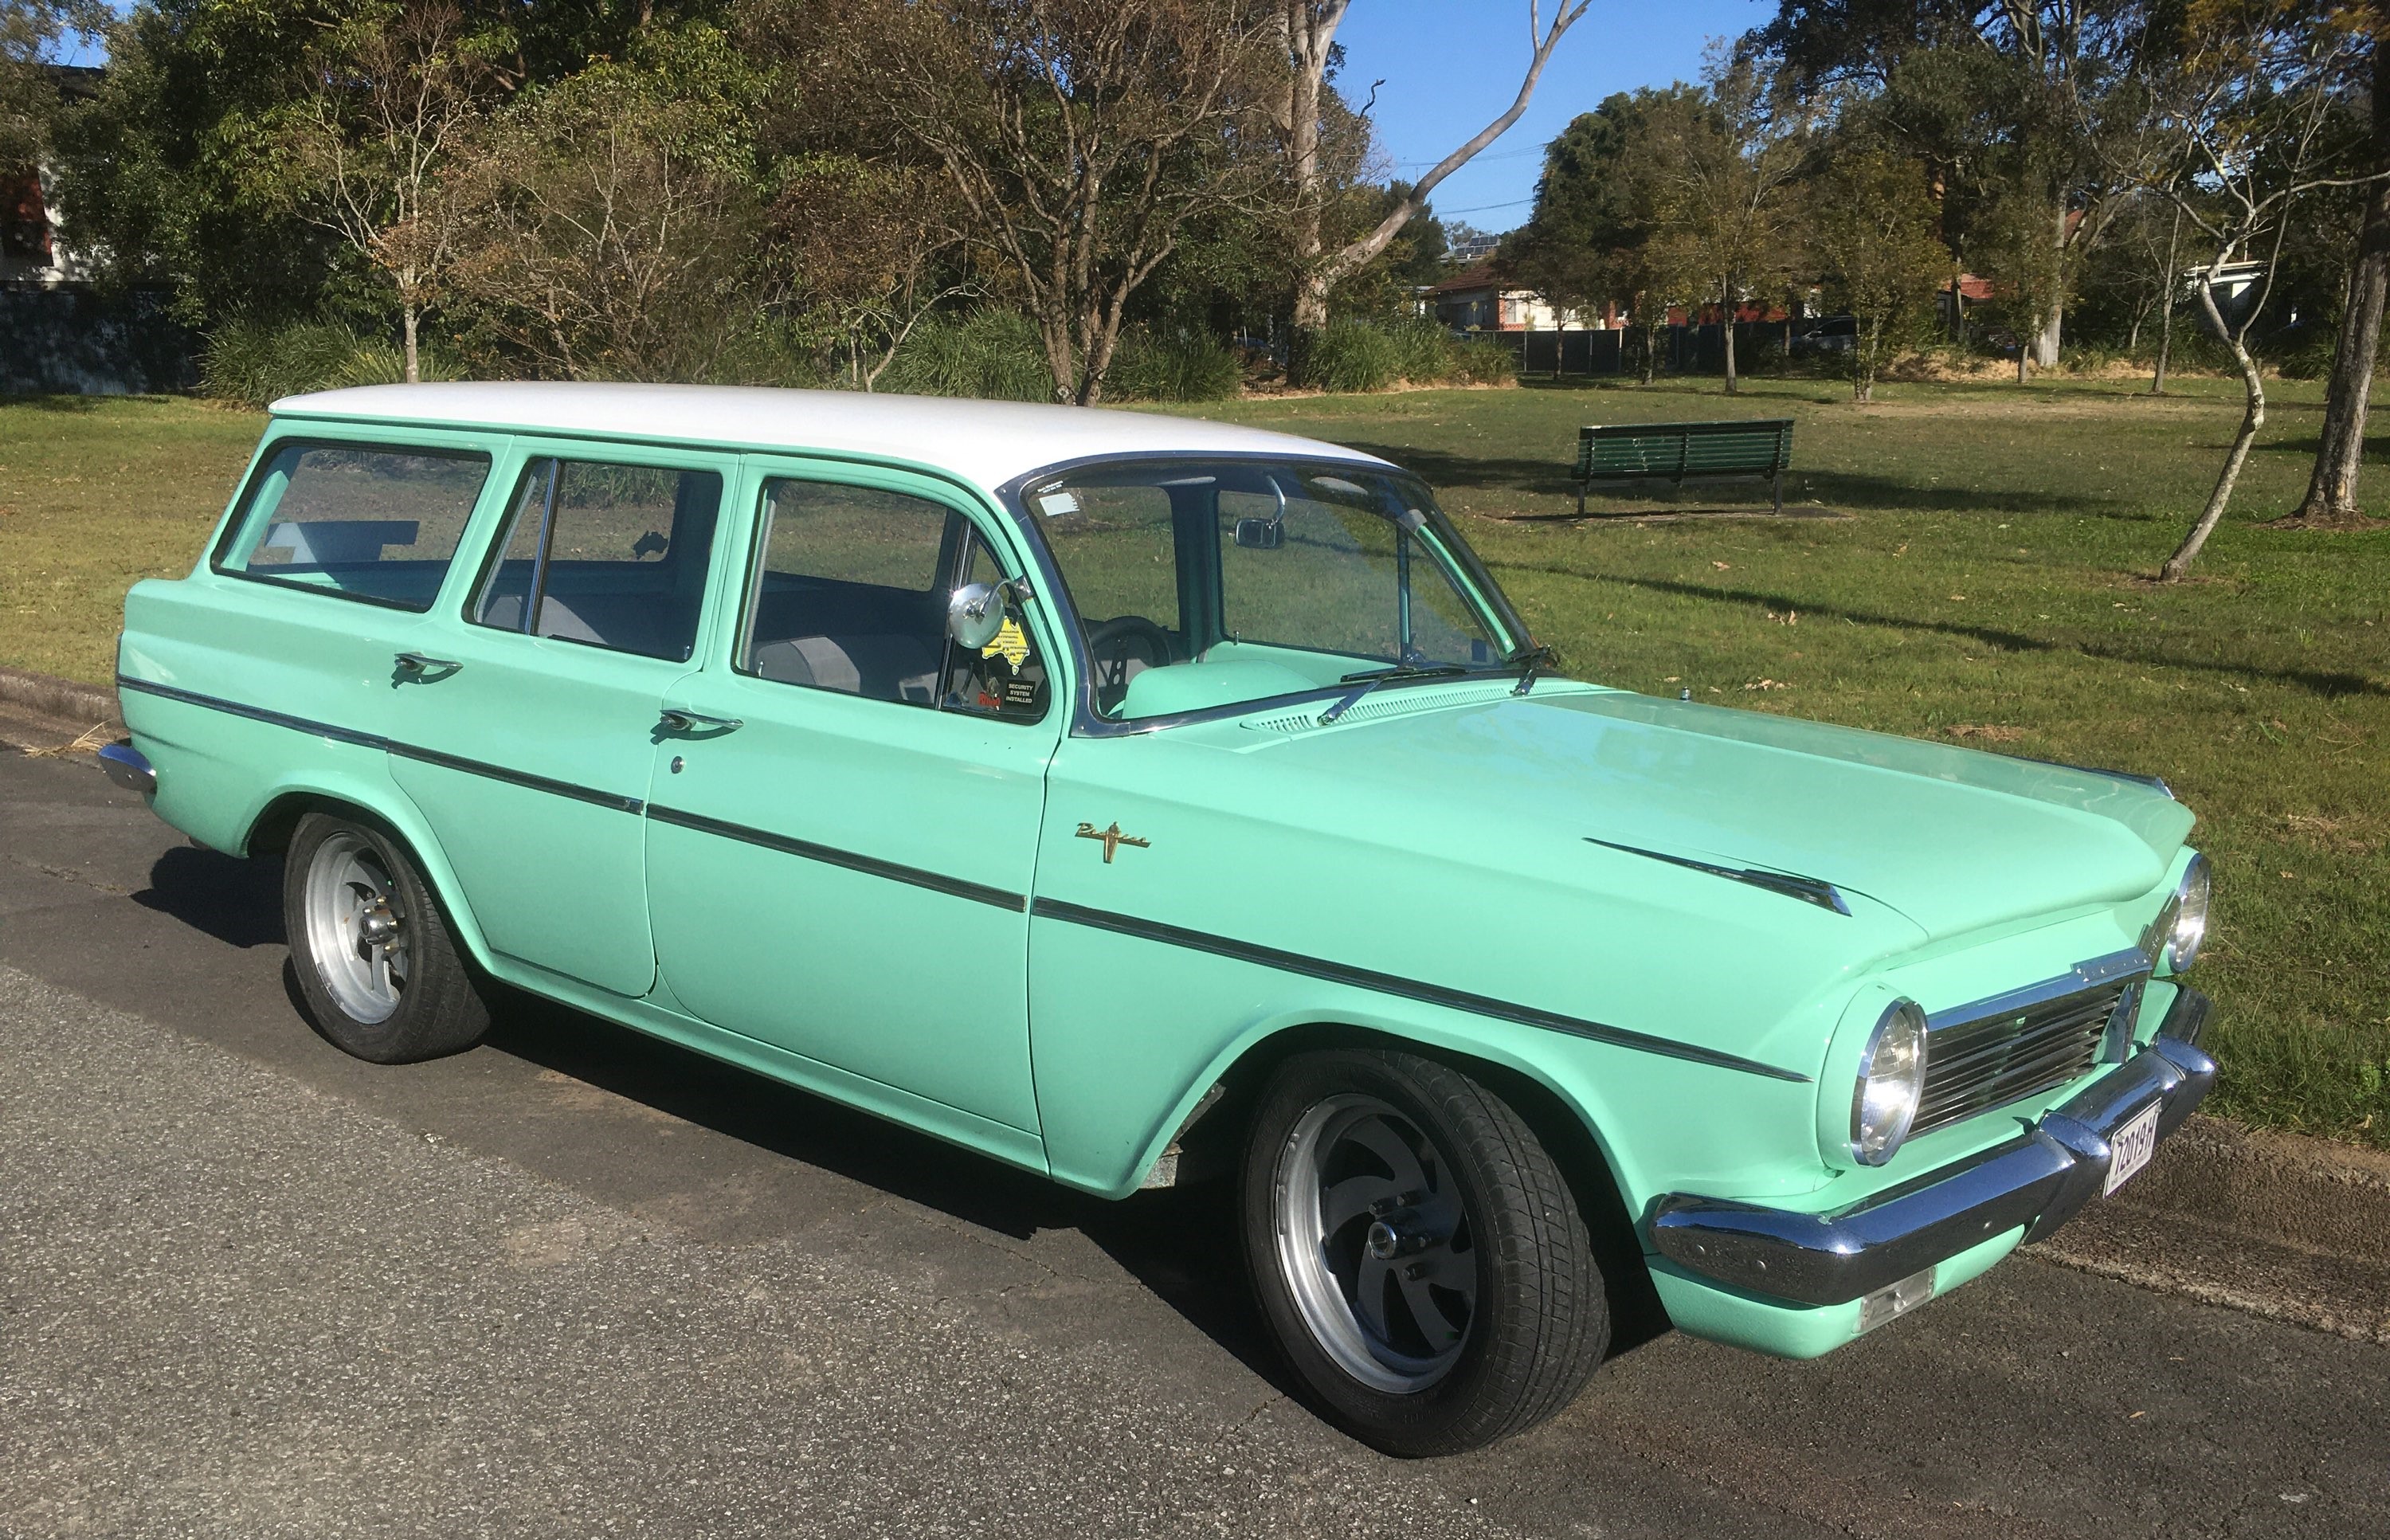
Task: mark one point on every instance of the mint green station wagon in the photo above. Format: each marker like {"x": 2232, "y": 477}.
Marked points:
{"x": 1133, "y": 799}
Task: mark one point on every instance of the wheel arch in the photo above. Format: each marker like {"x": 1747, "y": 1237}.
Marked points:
{"x": 269, "y": 830}
{"x": 1212, "y": 1143}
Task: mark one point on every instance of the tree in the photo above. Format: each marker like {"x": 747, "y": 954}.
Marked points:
{"x": 1727, "y": 168}
{"x": 1083, "y": 138}
{"x": 392, "y": 92}
{"x": 2238, "y": 102}
{"x": 617, "y": 222}
{"x": 1594, "y": 236}
{"x": 2330, "y": 501}
{"x": 1306, "y": 35}
{"x": 32, "y": 33}
{"x": 2009, "y": 91}
{"x": 1873, "y": 226}
{"x": 875, "y": 249}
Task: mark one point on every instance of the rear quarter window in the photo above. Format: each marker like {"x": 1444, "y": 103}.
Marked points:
{"x": 374, "y": 523}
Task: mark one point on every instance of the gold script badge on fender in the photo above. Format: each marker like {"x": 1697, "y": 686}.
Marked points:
{"x": 1112, "y": 838}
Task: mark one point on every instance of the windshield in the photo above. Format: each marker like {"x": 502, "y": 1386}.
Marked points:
{"x": 1201, "y": 585}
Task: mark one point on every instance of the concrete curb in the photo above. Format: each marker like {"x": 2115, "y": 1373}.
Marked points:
{"x": 62, "y": 700}
{"x": 2316, "y": 1195}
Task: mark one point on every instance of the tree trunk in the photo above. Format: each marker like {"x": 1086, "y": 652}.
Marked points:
{"x": 2166, "y": 314}
{"x": 413, "y": 365}
{"x": 2252, "y": 418}
{"x": 2053, "y": 312}
{"x": 1310, "y": 320}
{"x": 2331, "y": 490}
{"x": 1863, "y": 350}
{"x": 1725, "y": 330}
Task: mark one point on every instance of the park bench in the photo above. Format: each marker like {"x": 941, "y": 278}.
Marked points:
{"x": 1674, "y": 451}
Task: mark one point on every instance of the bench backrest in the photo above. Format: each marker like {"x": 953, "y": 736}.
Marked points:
{"x": 1679, "y": 449}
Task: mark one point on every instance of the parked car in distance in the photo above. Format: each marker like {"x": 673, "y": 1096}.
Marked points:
{"x": 1833, "y": 334}
{"x": 1129, "y": 798}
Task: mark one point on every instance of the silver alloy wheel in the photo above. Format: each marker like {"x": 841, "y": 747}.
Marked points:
{"x": 357, "y": 928}
{"x": 1375, "y": 1244}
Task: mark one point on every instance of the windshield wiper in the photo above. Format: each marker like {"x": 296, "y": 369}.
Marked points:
{"x": 1530, "y": 662}
{"x": 1370, "y": 679}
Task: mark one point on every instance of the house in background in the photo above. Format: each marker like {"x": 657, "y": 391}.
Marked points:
{"x": 1475, "y": 299}
{"x": 33, "y": 248}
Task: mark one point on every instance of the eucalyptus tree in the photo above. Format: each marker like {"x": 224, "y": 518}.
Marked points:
{"x": 2331, "y": 499}
{"x": 1305, "y": 33}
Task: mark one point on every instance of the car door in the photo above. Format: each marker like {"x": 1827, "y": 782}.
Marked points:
{"x": 528, "y": 737}
{"x": 842, "y": 838}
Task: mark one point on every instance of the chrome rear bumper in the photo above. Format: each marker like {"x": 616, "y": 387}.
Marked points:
{"x": 127, "y": 767}
{"x": 2038, "y": 1180}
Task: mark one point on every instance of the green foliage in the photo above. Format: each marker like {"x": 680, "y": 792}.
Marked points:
{"x": 1358, "y": 356}
{"x": 1872, "y": 224}
{"x": 990, "y": 354}
{"x": 1179, "y": 365}
{"x": 255, "y": 363}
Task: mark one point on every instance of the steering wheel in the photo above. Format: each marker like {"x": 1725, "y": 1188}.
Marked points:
{"x": 1111, "y": 673}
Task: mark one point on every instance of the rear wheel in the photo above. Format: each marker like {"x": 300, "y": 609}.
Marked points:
{"x": 375, "y": 960}
{"x": 1417, "y": 1253}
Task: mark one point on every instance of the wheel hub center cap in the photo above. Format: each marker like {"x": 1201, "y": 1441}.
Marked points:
{"x": 378, "y": 924}
{"x": 1384, "y": 1241}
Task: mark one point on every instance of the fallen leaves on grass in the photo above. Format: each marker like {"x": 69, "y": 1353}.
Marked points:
{"x": 1768, "y": 685}
{"x": 2340, "y": 834}
{"x": 1987, "y": 731}
{"x": 1789, "y": 617}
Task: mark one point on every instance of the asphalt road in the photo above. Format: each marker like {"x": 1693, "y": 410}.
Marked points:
{"x": 576, "y": 1283}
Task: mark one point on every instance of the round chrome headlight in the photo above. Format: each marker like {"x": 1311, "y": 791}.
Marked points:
{"x": 2186, "y": 919}
{"x": 1892, "y": 1081}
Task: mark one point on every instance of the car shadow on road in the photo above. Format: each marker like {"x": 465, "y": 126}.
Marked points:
{"x": 235, "y": 902}
{"x": 1180, "y": 1244}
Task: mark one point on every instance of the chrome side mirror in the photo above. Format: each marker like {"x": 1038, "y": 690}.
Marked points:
{"x": 1259, "y": 534}
{"x": 975, "y": 613}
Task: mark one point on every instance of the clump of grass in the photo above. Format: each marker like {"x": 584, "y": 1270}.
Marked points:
{"x": 1177, "y": 365}
{"x": 989, "y": 354}
{"x": 1358, "y": 356}
{"x": 255, "y": 363}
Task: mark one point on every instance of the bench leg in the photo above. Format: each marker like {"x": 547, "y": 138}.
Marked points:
{"x": 1779, "y": 491}
{"x": 1580, "y": 499}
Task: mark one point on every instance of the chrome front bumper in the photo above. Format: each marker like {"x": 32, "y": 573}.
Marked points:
{"x": 2038, "y": 1180}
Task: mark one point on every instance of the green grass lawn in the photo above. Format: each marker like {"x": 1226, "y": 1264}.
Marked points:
{"x": 1987, "y": 587}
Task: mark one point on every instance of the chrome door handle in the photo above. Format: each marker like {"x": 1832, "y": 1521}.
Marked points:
{"x": 677, "y": 721}
{"x": 417, "y": 662}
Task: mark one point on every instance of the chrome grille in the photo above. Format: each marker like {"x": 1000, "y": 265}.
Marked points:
{"x": 2019, "y": 1046}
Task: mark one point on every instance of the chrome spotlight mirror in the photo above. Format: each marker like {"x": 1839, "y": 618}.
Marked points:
{"x": 975, "y": 614}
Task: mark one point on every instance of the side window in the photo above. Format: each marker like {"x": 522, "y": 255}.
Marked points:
{"x": 375, "y": 524}
{"x": 848, "y": 594}
{"x": 613, "y": 556}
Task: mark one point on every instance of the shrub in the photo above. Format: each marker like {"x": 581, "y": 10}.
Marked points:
{"x": 1351, "y": 355}
{"x": 991, "y": 354}
{"x": 257, "y": 363}
{"x": 1357, "y": 354}
{"x": 1180, "y": 366}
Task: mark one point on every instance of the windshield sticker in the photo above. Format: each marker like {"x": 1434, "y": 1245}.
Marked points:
{"x": 1053, "y": 505}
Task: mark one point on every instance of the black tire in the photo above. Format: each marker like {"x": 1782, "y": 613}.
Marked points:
{"x": 1539, "y": 1322}
{"x": 440, "y": 1008}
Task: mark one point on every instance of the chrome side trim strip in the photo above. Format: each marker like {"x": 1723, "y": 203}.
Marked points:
{"x": 1410, "y": 989}
{"x": 614, "y": 801}
{"x": 2036, "y": 1181}
{"x": 254, "y": 713}
{"x": 516, "y": 777}
{"x": 1808, "y": 890}
{"x": 831, "y": 856}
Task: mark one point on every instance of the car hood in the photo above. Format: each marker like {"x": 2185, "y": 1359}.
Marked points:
{"x": 1953, "y": 838}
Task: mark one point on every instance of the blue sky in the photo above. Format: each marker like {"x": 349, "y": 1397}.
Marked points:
{"x": 1451, "y": 65}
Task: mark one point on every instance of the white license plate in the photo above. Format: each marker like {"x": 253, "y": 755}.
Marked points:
{"x": 2129, "y": 1148}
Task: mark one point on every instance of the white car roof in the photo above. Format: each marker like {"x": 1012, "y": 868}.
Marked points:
{"x": 985, "y": 443}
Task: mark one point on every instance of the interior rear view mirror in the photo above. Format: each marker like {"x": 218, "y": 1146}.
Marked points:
{"x": 1260, "y": 534}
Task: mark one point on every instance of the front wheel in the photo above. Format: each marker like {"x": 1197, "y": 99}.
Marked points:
{"x": 380, "y": 971}
{"x": 1418, "y": 1254}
